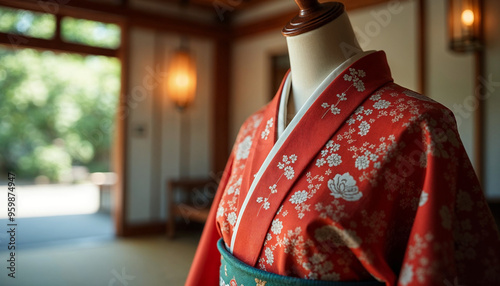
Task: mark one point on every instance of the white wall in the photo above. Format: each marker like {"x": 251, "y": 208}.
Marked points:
{"x": 451, "y": 82}
{"x": 450, "y": 76}
{"x": 391, "y": 27}
{"x": 140, "y": 108}
{"x": 251, "y": 75}
{"x": 155, "y": 157}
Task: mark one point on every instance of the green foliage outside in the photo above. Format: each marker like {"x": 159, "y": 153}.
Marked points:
{"x": 91, "y": 33}
{"x": 22, "y": 22}
{"x": 56, "y": 111}
{"x": 42, "y": 25}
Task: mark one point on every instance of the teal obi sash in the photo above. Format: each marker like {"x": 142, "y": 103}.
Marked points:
{"x": 234, "y": 272}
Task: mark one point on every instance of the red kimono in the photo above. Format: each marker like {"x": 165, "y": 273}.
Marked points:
{"x": 369, "y": 180}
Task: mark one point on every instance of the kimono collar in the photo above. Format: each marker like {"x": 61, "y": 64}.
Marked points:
{"x": 285, "y": 91}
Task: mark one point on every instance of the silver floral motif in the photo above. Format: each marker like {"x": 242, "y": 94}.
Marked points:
{"x": 264, "y": 201}
{"x": 364, "y": 128}
{"x": 273, "y": 189}
{"x": 231, "y": 218}
{"x": 289, "y": 172}
{"x": 333, "y": 159}
{"x": 406, "y": 274}
{"x": 344, "y": 186}
{"x": 299, "y": 197}
{"x": 355, "y": 76}
{"x": 269, "y": 256}
{"x": 277, "y": 226}
{"x": 423, "y": 198}
{"x": 362, "y": 162}
{"x": 266, "y": 132}
{"x": 220, "y": 211}
{"x": 381, "y": 104}
{"x": 244, "y": 148}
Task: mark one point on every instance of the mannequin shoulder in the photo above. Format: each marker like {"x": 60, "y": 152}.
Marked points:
{"x": 403, "y": 108}
{"x": 397, "y": 99}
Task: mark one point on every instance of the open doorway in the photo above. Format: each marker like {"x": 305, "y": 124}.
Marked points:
{"x": 57, "y": 124}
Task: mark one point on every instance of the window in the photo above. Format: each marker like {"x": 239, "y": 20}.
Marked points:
{"x": 27, "y": 23}
{"x": 90, "y": 33}
{"x": 58, "y": 104}
{"x": 73, "y": 30}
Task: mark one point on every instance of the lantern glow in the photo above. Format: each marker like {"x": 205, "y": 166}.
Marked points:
{"x": 464, "y": 20}
{"x": 181, "y": 79}
{"x": 468, "y": 17}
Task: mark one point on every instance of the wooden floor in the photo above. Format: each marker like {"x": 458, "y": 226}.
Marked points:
{"x": 57, "y": 230}
{"x": 54, "y": 248}
{"x": 147, "y": 261}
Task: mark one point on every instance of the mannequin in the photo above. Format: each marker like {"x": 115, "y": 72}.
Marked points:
{"x": 360, "y": 187}
{"x": 315, "y": 53}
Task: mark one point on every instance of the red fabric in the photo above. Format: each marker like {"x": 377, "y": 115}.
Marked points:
{"x": 205, "y": 267}
{"x": 298, "y": 143}
{"x": 373, "y": 182}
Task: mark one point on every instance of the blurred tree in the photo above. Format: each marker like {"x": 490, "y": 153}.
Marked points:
{"x": 28, "y": 23}
{"x": 91, "y": 33}
{"x": 56, "y": 110}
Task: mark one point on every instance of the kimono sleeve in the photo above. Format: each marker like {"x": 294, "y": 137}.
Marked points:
{"x": 205, "y": 267}
{"x": 454, "y": 239}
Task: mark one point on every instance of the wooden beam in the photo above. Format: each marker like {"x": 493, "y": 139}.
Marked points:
{"x": 82, "y": 10}
{"x": 143, "y": 229}
{"x": 161, "y": 23}
{"x": 209, "y": 4}
{"x": 120, "y": 160}
{"x": 118, "y": 14}
{"x": 15, "y": 41}
{"x": 353, "y": 5}
{"x": 221, "y": 95}
{"x": 266, "y": 25}
{"x": 479, "y": 93}
{"x": 279, "y": 21}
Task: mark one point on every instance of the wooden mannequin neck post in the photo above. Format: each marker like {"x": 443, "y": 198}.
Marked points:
{"x": 316, "y": 53}
{"x": 312, "y": 15}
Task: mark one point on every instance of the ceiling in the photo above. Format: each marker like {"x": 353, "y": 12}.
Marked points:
{"x": 211, "y": 4}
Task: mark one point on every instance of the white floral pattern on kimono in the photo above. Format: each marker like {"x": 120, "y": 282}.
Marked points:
{"x": 388, "y": 193}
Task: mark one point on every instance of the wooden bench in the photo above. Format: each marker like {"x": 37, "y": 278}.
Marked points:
{"x": 189, "y": 199}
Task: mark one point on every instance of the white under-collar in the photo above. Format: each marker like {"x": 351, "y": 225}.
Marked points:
{"x": 285, "y": 94}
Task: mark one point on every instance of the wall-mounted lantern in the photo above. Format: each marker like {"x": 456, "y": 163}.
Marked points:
{"x": 464, "y": 24}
